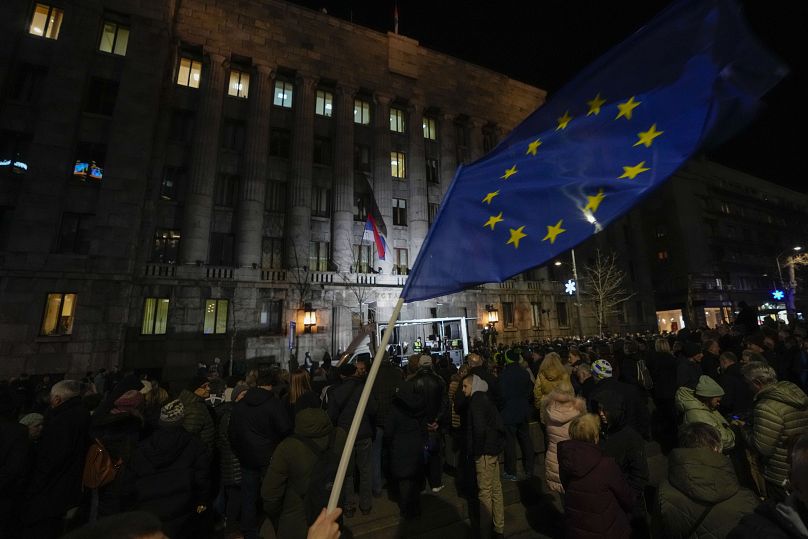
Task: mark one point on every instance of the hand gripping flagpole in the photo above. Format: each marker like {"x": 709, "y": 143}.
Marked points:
{"x": 360, "y": 409}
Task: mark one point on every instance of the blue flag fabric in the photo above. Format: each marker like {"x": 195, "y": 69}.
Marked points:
{"x": 690, "y": 77}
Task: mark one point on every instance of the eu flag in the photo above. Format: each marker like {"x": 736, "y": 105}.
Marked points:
{"x": 626, "y": 123}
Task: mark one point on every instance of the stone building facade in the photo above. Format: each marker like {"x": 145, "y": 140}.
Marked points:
{"x": 187, "y": 178}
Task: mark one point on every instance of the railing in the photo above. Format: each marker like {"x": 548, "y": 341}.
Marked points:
{"x": 160, "y": 270}
{"x": 219, "y": 272}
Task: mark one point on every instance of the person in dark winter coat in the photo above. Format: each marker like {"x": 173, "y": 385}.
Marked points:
{"x": 54, "y": 485}
{"x": 14, "y": 447}
{"x": 479, "y": 368}
{"x": 289, "y": 474}
{"x": 688, "y": 368}
{"x": 404, "y": 433}
{"x": 787, "y": 519}
{"x": 624, "y": 444}
{"x": 737, "y": 398}
{"x": 198, "y": 420}
{"x": 710, "y": 359}
{"x": 427, "y": 382}
{"x": 597, "y": 498}
{"x": 701, "y": 497}
{"x": 662, "y": 365}
{"x": 485, "y": 433}
{"x": 257, "y": 425}
{"x": 634, "y": 398}
{"x": 516, "y": 389}
{"x": 229, "y": 466}
{"x": 388, "y": 380}
{"x": 342, "y": 405}
{"x": 169, "y": 475}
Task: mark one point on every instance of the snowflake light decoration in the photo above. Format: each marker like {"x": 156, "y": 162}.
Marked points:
{"x": 569, "y": 287}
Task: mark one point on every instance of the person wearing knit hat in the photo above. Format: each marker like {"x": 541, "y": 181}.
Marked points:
{"x": 601, "y": 369}
{"x": 700, "y": 405}
{"x": 172, "y": 413}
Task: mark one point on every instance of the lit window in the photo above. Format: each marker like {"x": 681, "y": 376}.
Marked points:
{"x": 14, "y": 152}
{"x": 172, "y": 178}
{"x": 89, "y": 165}
{"x": 361, "y": 112}
{"x": 402, "y": 266}
{"x": 535, "y": 309}
{"x": 396, "y": 120}
{"x": 400, "y": 212}
{"x": 46, "y": 21}
{"x": 429, "y": 128}
{"x": 166, "y": 246}
{"x": 189, "y": 73}
{"x": 662, "y": 255}
{"x": 397, "y": 165}
{"x": 155, "y": 316}
{"x": 318, "y": 256}
{"x": 114, "y": 38}
{"x": 239, "y": 83}
{"x": 58, "y": 317}
{"x": 324, "y": 103}
{"x": 215, "y": 316}
{"x": 283, "y": 94}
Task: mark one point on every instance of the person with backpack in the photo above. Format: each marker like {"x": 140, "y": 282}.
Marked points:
{"x": 486, "y": 440}
{"x": 297, "y": 484}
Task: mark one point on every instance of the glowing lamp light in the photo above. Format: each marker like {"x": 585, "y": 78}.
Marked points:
{"x": 309, "y": 316}
{"x": 493, "y": 314}
{"x": 570, "y": 287}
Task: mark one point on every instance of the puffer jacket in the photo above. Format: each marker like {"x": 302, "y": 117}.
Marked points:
{"x": 197, "y": 418}
{"x": 770, "y": 521}
{"x": 229, "y": 465}
{"x": 597, "y": 497}
{"x": 699, "y": 479}
{"x": 692, "y": 410}
{"x": 558, "y": 411}
{"x": 547, "y": 380}
{"x": 287, "y": 478}
{"x": 780, "y": 412}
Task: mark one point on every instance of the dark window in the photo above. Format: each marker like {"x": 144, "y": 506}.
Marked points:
{"x": 362, "y": 158}
{"x": 280, "y": 142}
{"x": 320, "y": 201}
{"x": 561, "y": 315}
{"x": 276, "y": 196}
{"x": 226, "y": 192}
{"x": 233, "y": 135}
{"x": 322, "y": 151}
{"x": 640, "y": 306}
{"x": 221, "y": 249}
{"x": 27, "y": 82}
{"x": 489, "y": 140}
{"x": 318, "y": 255}
{"x": 362, "y": 258}
{"x": 360, "y": 209}
{"x": 182, "y": 126}
{"x": 432, "y": 171}
{"x": 90, "y": 158}
{"x": 400, "y": 212}
{"x": 101, "y": 95}
{"x": 74, "y": 234}
{"x": 507, "y": 314}
{"x": 272, "y": 315}
{"x": 462, "y": 142}
{"x": 173, "y": 178}
{"x": 272, "y": 253}
{"x": 433, "y": 212}
{"x": 166, "y": 246}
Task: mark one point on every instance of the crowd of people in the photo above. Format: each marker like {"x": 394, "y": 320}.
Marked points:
{"x": 254, "y": 456}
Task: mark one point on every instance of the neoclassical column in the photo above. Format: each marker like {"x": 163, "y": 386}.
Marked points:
{"x": 342, "y": 220}
{"x": 476, "y": 138}
{"x": 298, "y": 218}
{"x": 417, "y": 205}
{"x": 382, "y": 174}
{"x": 250, "y": 217}
{"x": 198, "y": 204}
{"x": 448, "y": 151}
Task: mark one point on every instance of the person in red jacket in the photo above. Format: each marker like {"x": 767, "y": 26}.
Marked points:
{"x": 597, "y": 498}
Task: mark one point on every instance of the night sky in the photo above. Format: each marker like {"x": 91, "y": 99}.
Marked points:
{"x": 546, "y": 42}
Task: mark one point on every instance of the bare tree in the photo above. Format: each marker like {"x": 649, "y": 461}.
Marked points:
{"x": 605, "y": 286}
{"x": 302, "y": 280}
{"x": 356, "y": 281}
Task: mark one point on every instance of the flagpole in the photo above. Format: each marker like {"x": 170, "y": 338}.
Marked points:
{"x": 360, "y": 409}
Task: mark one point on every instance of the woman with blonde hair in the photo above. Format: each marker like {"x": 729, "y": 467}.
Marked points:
{"x": 558, "y": 409}
{"x": 300, "y": 395}
{"x": 551, "y": 373}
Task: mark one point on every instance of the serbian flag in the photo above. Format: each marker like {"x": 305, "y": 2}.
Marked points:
{"x": 372, "y": 232}
{"x": 375, "y": 225}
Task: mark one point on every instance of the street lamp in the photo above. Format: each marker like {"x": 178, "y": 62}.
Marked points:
{"x": 309, "y": 318}
{"x": 493, "y": 315}
{"x": 792, "y": 280}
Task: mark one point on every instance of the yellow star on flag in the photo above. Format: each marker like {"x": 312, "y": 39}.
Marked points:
{"x": 533, "y": 146}
{"x": 647, "y": 137}
{"x": 510, "y": 172}
{"x": 627, "y": 108}
{"x": 553, "y": 231}
{"x": 593, "y": 202}
{"x": 594, "y": 105}
{"x": 564, "y": 120}
{"x": 493, "y": 220}
{"x": 516, "y": 235}
{"x": 632, "y": 172}
{"x": 490, "y": 196}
